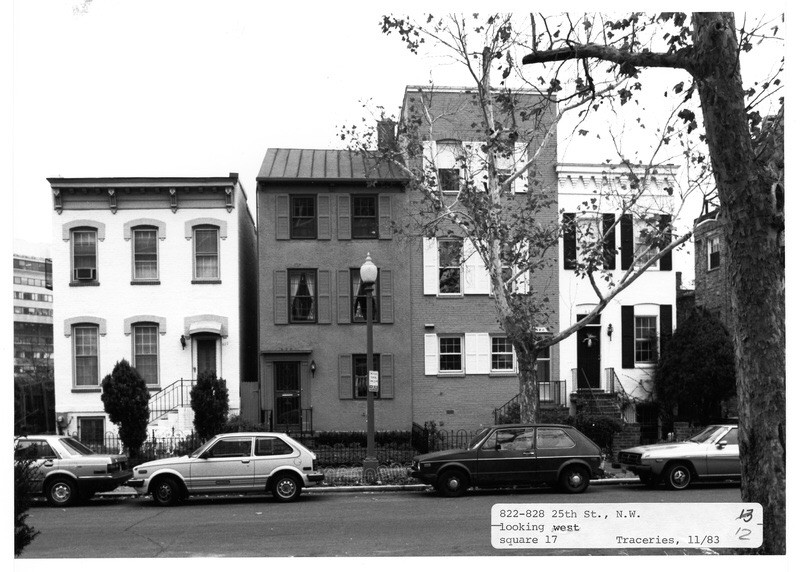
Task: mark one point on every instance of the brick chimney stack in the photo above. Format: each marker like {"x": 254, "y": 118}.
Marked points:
{"x": 386, "y": 135}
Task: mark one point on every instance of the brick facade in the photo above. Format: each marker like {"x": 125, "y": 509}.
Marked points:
{"x": 711, "y": 284}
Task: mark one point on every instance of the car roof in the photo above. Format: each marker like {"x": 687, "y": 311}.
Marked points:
{"x": 504, "y": 425}
{"x": 252, "y": 434}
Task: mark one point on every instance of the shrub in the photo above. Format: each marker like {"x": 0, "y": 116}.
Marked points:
{"x": 599, "y": 428}
{"x": 125, "y": 399}
{"x": 237, "y": 424}
{"x": 210, "y": 405}
{"x": 23, "y": 532}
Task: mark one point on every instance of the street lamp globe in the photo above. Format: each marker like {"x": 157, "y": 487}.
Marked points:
{"x": 369, "y": 272}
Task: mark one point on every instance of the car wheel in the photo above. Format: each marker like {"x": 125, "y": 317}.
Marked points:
{"x": 574, "y": 479}
{"x": 61, "y": 492}
{"x": 166, "y": 491}
{"x": 678, "y": 476}
{"x": 452, "y": 483}
{"x": 286, "y": 488}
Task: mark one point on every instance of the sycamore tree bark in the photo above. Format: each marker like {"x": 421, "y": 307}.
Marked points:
{"x": 752, "y": 222}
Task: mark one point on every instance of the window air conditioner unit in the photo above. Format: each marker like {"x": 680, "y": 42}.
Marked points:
{"x": 84, "y": 274}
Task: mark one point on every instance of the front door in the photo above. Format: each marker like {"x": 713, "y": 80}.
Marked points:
{"x": 589, "y": 355}
{"x": 206, "y": 355}
{"x": 287, "y": 396}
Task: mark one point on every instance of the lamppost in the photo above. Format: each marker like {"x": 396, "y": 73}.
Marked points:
{"x": 369, "y": 274}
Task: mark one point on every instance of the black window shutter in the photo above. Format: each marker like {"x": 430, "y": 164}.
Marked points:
{"x": 664, "y": 224}
{"x": 570, "y": 250}
{"x": 610, "y": 242}
{"x": 626, "y": 241}
{"x": 627, "y": 337}
{"x": 665, "y": 324}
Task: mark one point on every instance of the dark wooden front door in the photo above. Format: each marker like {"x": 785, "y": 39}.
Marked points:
{"x": 206, "y": 355}
{"x": 287, "y": 396}
{"x": 589, "y": 355}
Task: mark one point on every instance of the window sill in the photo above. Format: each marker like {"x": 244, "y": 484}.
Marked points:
{"x": 450, "y": 375}
{"x": 86, "y": 389}
{"x": 453, "y": 295}
{"x": 314, "y": 323}
{"x": 206, "y": 281}
{"x": 145, "y": 282}
{"x": 645, "y": 365}
{"x": 713, "y": 269}
{"x": 81, "y": 283}
{"x": 509, "y": 373}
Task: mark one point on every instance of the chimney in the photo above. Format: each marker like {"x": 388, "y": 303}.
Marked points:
{"x": 386, "y": 135}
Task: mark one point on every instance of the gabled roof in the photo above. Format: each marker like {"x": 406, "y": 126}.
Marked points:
{"x": 332, "y": 165}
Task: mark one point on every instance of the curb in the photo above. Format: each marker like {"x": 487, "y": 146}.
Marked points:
{"x": 121, "y": 492}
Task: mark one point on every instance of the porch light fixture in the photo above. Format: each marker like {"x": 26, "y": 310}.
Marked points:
{"x": 313, "y": 367}
{"x": 183, "y": 342}
{"x": 610, "y": 330}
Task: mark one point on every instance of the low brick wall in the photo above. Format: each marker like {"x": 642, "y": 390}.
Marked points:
{"x": 630, "y": 436}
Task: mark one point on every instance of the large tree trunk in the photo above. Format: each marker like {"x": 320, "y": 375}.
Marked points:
{"x": 748, "y": 213}
{"x": 529, "y": 410}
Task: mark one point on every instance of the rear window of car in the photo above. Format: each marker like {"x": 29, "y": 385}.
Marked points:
{"x": 75, "y": 447}
{"x": 33, "y": 449}
{"x": 547, "y": 438}
{"x": 269, "y": 446}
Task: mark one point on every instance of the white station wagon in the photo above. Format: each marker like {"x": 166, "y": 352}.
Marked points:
{"x": 231, "y": 462}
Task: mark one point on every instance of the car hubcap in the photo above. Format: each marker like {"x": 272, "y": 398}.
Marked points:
{"x": 164, "y": 493}
{"x": 61, "y": 492}
{"x": 453, "y": 483}
{"x": 576, "y": 480}
{"x": 286, "y": 488}
{"x": 680, "y": 477}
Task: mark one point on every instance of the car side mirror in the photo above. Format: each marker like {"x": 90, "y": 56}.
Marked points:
{"x": 721, "y": 444}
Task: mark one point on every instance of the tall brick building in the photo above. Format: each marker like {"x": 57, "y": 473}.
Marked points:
{"x": 463, "y": 364}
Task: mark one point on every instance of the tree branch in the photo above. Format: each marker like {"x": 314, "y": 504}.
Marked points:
{"x": 680, "y": 59}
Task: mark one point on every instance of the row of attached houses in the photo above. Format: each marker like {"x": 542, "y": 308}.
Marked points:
{"x": 171, "y": 274}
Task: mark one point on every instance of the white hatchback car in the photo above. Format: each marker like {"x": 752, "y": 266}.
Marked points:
{"x": 231, "y": 462}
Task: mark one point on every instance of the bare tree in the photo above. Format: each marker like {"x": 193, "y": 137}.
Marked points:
{"x": 709, "y": 48}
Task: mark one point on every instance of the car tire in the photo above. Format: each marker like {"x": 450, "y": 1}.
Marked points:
{"x": 61, "y": 492}
{"x": 166, "y": 491}
{"x": 574, "y": 479}
{"x": 452, "y": 483}
{"x": 678, "y": 476}
{"x": 286, "y": 487}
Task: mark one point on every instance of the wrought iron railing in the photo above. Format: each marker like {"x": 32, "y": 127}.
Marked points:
{"x": 551, "y": 393}
{"x": 176, "y": 394}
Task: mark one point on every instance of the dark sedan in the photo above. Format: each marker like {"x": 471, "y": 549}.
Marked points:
{"x": 501, "y": 455}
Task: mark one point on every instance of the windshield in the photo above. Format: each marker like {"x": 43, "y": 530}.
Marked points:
{"x": 478, "y": 438}
{"x": 705, "y": 434}
{"x": 76, "y": 447}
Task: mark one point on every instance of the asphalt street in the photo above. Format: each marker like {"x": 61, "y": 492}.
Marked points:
{"x": 399, "y": 523}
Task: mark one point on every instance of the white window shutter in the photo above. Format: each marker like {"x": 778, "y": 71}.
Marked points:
{"x": 521, "y": 157}
{"x": 476, "y": 165}
{"x": 430, "y": 266}
{"x": 476, "y": 276}
{"x": 477, "y": 348}
{"x": 431, "y": 354}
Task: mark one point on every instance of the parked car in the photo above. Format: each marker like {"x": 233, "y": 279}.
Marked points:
{"x": 231, "y": 462}
{"x": 711, "y": 454}
{"x": 517, "y": 454}
{"x": 65, "y": 470}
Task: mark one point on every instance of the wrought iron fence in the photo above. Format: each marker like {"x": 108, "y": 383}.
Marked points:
{"x": 153, "y": 448}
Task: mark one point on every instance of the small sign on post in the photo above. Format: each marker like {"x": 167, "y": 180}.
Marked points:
{"x": 373, "y": 381}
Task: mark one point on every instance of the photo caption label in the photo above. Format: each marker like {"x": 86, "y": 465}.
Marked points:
{"x": 627, "y": 525}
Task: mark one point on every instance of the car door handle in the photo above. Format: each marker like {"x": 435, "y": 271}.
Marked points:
{"x": 48, "y": 463}
{"x": 531, "y": 453}
{"x": 245, "y": 461}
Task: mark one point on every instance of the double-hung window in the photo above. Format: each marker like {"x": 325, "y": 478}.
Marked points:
{"x": 302, "y": 296}
{"x": 303, "y": 220}
{"x": 451, "y": 356}
{"x": 145, "y": 254}
{"x": 84, "y": 255}
{"x": 450, "y": 255}
{"x": 502, "y": 354}
{"x": 85, "y": 355}
{"x": 358, "y": 298}
{"x": 449, "y": 160}
{"x": 145, "y": 352}
{"x": 644, "y": 247}
{"x": 645, "y": 339}
{"x": 713, "y": 252}
{"x": 365, "y": 216}
{"x": 206, "y": 253}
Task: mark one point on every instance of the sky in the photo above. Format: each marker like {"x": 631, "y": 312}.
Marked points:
{"x": 200, "y": 88}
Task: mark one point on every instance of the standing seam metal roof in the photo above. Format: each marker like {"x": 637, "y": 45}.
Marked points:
{"x": 328, "y": 164}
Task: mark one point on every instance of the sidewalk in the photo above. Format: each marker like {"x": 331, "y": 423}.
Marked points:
{"x": 613, "y": 477}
